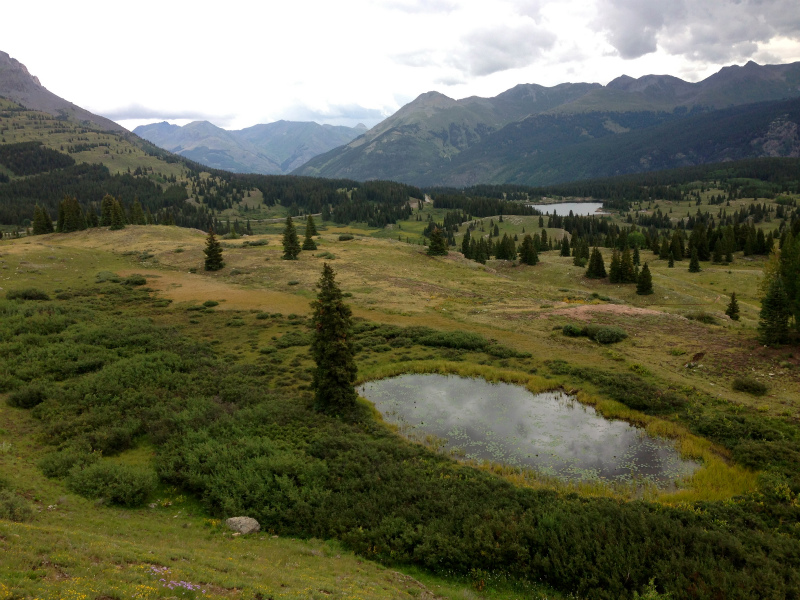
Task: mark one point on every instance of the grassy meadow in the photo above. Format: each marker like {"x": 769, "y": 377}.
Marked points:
{"x": 248, "y": 321}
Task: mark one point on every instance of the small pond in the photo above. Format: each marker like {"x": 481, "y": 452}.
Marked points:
{"x": 578, "y": 208}
{"x": 551, "y": 432}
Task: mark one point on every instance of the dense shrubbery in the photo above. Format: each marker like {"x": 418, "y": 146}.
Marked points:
{"x": 749, "y": 385}
{"x": 601, "y": 334}
{"x": 14, "y": 507}
{"x": 27, "y": 397}
{"x": 245, "y": 448}
{"x": 118, "y": 484}
{"x": 27, "y": 294}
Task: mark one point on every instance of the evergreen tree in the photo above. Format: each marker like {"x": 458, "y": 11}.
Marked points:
{"x": 671, "y": 262}
{"x": 627, "y": 272}
{"x": 465, "y": 244}
{"x": 117, "y": 218}
{"x": 311, "y": 228}
{"x": 332, "y": 349}
{"x": 615, "y": 271}
{"x": 773, "y": 320}
{"x": 213, "y": 252}
{"x": 527, "y": 251}
{"x": 636, "y": 258}
{"x": 565, "y": 250}
{"x": 137, "y": 214}
{"x": 308, "y": 242}
{"x": 663, "y": 253}
{"x": 694, "y": 263}
{"x": 106, "y": 210}
{"x": 42, "y": 223}
{"x": 291, "y": 245}
{"x": 733, "y": 308}
{"x": 597, "y": 267}
{"x": 644, "y": 284}
{"x": 438, "y": 243}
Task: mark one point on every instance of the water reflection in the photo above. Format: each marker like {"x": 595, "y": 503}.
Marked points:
{"x": 563, "y": 208}
{"x": 551, "y": 432}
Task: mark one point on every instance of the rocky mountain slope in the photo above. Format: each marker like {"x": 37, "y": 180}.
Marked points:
{"x": 423, "y": 141}
{"x": 17, "y": 84}
{"x": 272, "y": 148}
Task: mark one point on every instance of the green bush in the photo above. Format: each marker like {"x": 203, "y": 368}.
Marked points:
{"x": 119, "y": 484}
{"x": 702, "y": 316}
{"x": 27, "y": 294}
{"x": 135, "y": 280}
{"x": 293, "y": 338}
{"x": 14, "y": 507}
{"x": 602, "y": 334}
{"x": 59, "y": 464}
{"x": 749, "y": 386}
{"x": 345, "y": 237}
{"x": 27, "y": 397}
{"x": 107, "y": 277}
{"x": 606, "y": 335}
{"x": 262, "y": 315}
{"x": 210, "y": 303}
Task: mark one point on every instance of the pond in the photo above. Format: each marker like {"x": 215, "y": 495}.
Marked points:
{"x": 578, "y": 208}
{"x": 552, "y": 432}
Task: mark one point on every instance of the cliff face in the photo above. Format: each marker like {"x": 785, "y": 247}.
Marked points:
{"x": 17, "y": 84}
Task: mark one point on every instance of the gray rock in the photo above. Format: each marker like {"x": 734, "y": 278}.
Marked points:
{"x": 243, "y": 525}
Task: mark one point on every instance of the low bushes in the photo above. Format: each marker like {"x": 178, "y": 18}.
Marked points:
{"x": 27, "y": 294}
{"x": 27, "y": 397}
{"x": 14, "y": 507}
{"x": 59, "y": 464}
{"x": 749, "y": 386}
{"x": 602, "y": 334}
{"x": 119, "y": 484}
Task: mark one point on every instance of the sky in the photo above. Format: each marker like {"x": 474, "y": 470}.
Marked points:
{"x": 237, "y": 64}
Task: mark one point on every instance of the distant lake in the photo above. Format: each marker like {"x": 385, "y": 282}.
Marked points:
{"x": 552, "y": 433}
{"x": 562, "y": 209}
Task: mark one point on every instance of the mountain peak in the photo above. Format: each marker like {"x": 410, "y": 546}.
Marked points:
{"x": 17, "y": 84}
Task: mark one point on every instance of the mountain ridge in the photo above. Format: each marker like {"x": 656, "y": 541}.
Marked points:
{"x": 18, "y": 85}
{"x": 269, "y": 148}
{"x": 421, "y": 141}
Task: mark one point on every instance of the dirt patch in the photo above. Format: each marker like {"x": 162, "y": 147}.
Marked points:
{"x": 585, "y": 312}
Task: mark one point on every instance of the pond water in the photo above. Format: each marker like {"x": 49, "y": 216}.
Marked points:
{"x": 551, "y": 432}
{"x": 562, "y": 209}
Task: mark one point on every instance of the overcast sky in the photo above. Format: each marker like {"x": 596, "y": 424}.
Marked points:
{"x": 237, "y": 64}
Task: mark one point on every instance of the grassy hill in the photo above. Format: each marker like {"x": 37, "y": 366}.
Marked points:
{"x": 222, "y": 368}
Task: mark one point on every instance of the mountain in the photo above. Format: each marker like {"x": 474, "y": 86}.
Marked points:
{"x": 273, "y": 148}
{"x": 17, "y": 84}
{"x": 422, "y": 143}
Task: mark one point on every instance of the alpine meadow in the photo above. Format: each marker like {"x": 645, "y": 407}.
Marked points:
{"x": 181, "y": 345}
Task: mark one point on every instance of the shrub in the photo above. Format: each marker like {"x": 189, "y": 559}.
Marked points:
{"x": 119, "y": 484}
{"x": 135, "y": 280}
{"x": 606, "y": 335}
{"x": 27, "y": 294}
{"x": 210, "y": 303}
{"x": 293, "y": 338}
{"x": 107, "y": 277}
{"x": 262, "y": 315}
{"x": 749, "y": 386}
{"x": 293, "y": 282}
{"x": 14, "y": 508}
{"x": 28, "y": 397}
{"x": 702, "y": 316}
{"x": 571, "y": 330}
{"x": 345, "y": 237}
{"x": 59, "y": 464}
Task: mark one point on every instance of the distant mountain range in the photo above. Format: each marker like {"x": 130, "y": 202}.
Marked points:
{"x": 17, "y": 84}
{"x": 270, "y": 149}
{"x": 536, "y": 135}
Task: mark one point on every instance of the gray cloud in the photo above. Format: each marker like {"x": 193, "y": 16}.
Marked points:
{"x": 338, "y": 114}
{"x": 422, "y": 6}
{"x": 708, "y": 30}
{"x": 137, "y": 111}
{"x": 488, "y": 51}
{"x": 419, "y": 58}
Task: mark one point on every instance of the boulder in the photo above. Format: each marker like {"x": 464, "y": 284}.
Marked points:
{"x": 243, "y": 525}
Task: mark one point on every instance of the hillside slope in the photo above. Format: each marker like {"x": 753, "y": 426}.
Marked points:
{"x": 17, "y": 84}
{"x": 420, "y": 144}
{"x": 268, "y": 149}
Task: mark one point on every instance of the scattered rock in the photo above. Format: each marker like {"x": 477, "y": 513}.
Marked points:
{"x": 243, "y": 525}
